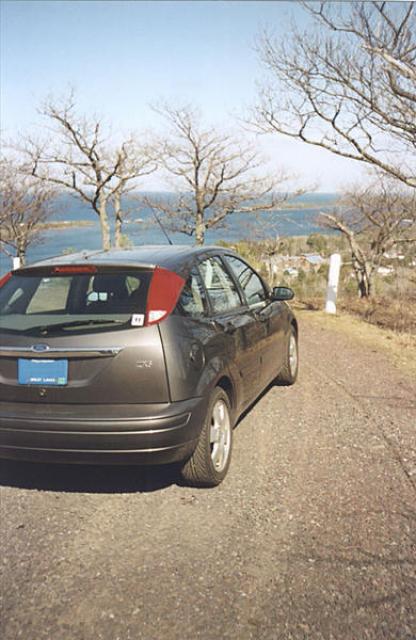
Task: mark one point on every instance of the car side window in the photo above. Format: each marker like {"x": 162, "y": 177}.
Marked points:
{"x": 249, "y": 281}
{"x": 192, "y": 301}
{"x": 221, "y": 289}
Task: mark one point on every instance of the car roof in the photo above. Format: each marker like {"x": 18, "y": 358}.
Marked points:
{"x": 179, "y": 258}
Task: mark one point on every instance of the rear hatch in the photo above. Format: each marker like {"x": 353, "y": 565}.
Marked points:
{"x": 82, "y": 335}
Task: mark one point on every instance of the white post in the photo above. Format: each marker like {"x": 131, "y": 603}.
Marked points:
{"x": 16, "y": 263}
{"x": 333, "y": 278}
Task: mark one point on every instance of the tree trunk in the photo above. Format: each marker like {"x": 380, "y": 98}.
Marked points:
{"x": 200, "y": 229}
{"x": 105, "y": 227}
{"x": 21, "y": 253}
{"x": 118, "y": 221}
{"x": 118, "y": 232}
{"x": 364, "y": 282}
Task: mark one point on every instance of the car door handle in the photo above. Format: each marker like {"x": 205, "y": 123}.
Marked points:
{"x": 226, "y": 327}
{"x": 259, "y": 315}
{"x": 230, "y": 328}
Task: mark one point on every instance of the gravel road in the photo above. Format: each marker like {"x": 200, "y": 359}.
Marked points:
{"x": 311, "y": 536}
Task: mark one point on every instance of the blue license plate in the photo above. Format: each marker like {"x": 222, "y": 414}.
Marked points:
{"x": 43, "y": 372}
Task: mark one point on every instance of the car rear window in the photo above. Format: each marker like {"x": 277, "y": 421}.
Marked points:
{"x": 32, "y": 301}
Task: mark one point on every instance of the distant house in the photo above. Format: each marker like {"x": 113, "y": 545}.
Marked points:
{"x": 309, "y": 262}
{"x": 292, "y": 272}
{"x": 314, "y": 260}
{"x": 393, "y": 255}
{"x": 385, "y": 271}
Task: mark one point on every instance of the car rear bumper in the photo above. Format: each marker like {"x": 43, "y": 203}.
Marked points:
{"x": 104, "y": 434}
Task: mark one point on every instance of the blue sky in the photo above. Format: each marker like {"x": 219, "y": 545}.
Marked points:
{"x": 122, "y": 56}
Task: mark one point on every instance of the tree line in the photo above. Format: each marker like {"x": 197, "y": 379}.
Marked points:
{"x": 211, "y": 174}
{"x": 348, "y": 86}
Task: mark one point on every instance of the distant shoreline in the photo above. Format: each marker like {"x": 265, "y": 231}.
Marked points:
{"x": 75, "y": 227}
{"x": 64, "y": 224}
{"x": 59, "y": 225}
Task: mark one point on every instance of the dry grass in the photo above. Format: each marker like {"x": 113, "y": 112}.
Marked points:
{"x": 398, "y": 315}
{"x": 389, "y": 308}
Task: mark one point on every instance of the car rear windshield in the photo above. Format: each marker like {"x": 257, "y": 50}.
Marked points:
{"x": 73, "y": 302}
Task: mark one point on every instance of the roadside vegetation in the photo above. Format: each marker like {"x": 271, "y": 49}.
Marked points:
{"x": 392, "y": 305}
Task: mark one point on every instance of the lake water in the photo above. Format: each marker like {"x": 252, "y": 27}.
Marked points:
{"x": 290, "y": 222}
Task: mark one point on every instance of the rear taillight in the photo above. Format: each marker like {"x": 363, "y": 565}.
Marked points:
{"x": 5, "y": 278}
{"x": 164, "y": 291}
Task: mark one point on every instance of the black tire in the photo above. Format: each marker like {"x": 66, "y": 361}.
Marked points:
{"x": 289, "y": 372}
{"x": 204, "y": 468}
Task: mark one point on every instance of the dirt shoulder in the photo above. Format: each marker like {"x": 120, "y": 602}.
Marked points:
{"x": 376, "y": 368}
{"x": 400, "y": 348}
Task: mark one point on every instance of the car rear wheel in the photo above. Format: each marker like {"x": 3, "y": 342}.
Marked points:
{"x": 289, "y": 371}
{"x": 209, "y": 463}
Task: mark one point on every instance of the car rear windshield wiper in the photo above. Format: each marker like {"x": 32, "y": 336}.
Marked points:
{"x": 76, "y": 323}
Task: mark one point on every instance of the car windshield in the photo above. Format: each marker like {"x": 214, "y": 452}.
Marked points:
{"x": 74, "y": 301}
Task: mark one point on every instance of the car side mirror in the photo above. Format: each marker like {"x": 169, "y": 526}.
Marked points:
{"x": 279, "y": 294}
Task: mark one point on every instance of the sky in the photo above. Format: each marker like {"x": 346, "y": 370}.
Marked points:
{"x": 122, "y": 56}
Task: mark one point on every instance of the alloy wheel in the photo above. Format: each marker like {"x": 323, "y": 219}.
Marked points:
{"x": 220, "y": 435}
{"x": 293, "y": 354}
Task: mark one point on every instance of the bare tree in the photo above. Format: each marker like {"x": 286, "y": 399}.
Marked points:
{"x": 135, "y": 162}
{"x": 213, "y": 175}
{"x": 26, "y": 205}
{"x": 374, "y": 219}
{"x": 350, "y": 86}
{"x": 81, "y": 160}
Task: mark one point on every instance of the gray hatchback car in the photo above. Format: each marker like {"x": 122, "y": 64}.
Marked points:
{"x": 140, "y": 356}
